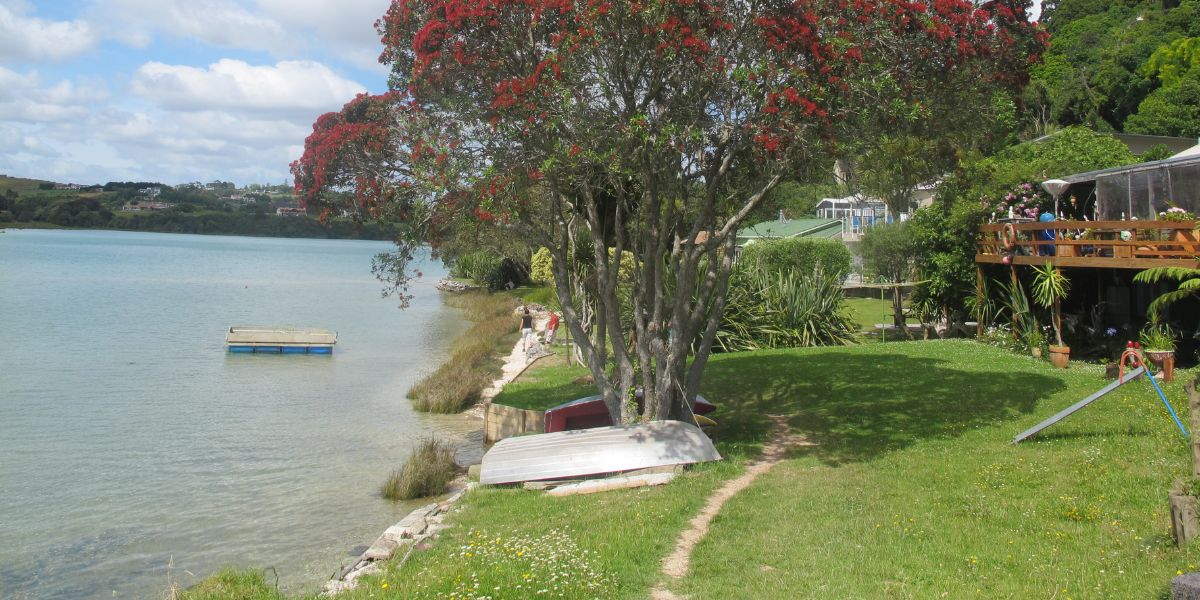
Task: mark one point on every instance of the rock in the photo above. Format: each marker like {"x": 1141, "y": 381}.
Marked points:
{"x": 449, "y": 285}
{"x": 370, "y": 568}
{"x": 436, "y": 528}
{"x": 382, "y": 548}
{"x": 1186, "y": 587}
{"x": 585, "y": 380}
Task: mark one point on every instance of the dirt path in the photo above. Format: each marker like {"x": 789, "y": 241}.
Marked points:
{"x": 675, "y": 566}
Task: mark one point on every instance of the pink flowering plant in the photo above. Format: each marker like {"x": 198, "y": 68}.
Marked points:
{"x": 1026, "y": 200}
{"x": 1176, "y": 214}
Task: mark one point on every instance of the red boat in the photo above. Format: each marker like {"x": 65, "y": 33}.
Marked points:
{"x": 589, "y": 412}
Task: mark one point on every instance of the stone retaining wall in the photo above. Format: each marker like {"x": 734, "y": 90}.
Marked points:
{"x": 418, "y": 526}
{"x": 500, "y": 421}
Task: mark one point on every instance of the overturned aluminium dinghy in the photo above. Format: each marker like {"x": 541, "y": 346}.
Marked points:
{"x": 574, "y": 454}
{"x": 280, "y": 340}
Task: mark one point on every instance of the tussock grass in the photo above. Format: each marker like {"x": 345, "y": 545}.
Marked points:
{"x": 242, "y": 584}
{"x": 473, "y": 362}
{"x": 426, "y": 472}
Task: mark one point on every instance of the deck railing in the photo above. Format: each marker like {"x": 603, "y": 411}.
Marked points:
{"x": 1100, "y": 244}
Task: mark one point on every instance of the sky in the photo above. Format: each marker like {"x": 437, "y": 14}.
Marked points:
{"x": 176, "y": 91}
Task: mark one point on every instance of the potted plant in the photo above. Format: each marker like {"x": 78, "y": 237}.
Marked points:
{"x": 1050, "y": 287}
{"x": 1159, "y": 341}
{"x": 1035, "y": 340}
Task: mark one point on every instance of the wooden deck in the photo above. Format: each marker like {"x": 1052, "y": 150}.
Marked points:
{"x": 1149, "y": 244}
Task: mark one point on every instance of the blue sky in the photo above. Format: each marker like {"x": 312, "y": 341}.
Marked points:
{"x": 176, "y": 90}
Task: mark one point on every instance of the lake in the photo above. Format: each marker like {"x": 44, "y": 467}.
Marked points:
{"x": 136, "y": 453}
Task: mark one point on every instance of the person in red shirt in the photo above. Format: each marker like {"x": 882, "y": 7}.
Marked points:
{"x": 551, "y": 328}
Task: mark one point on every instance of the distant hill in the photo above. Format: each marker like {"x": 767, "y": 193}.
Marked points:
{"x": 19, "y": 184}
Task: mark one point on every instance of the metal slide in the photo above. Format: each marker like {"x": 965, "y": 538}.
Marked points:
{"x": 1064, "y": 413}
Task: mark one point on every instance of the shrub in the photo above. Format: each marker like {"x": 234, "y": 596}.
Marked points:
{"x": 783, "y": 310}
{"x": 541, "y": 267}
{"x": 799, "y": 255}
{"x": 475, "y": 266}
{"x": 427, "y": 471}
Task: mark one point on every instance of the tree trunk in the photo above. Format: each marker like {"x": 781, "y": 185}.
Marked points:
{"x": 898, "y": 318}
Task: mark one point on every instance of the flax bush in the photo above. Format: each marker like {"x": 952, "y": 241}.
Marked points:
{"x": 426, "y": 472}
{"x": 783, "y": 310}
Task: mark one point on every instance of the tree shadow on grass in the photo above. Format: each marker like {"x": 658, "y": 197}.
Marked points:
{"x": 854, "y": 408}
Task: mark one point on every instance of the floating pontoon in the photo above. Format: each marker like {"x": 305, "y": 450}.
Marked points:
{"x": 280, "y": 340}
{"x": 603, "y": 450}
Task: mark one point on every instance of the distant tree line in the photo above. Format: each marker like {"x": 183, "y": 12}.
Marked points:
{"x": 193, "y": 211}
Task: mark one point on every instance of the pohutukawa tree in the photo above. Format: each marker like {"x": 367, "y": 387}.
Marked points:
{"x": 651, "y": 127}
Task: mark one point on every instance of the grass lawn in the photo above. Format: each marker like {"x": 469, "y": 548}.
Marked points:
{"x": 914, "y": 490}
{"x": 546, "y": 383}
{"x": 910, "y": 488}
{"x": 536, "y": 294}
{"x": 867, "y": 312}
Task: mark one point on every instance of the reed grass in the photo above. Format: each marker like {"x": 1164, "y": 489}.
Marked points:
{"x": 474, "y": 357}
{"x": 242, "y": 584}
{"x": 427, "y": 471}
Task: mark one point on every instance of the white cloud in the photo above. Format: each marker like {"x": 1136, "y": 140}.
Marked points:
{"x": 283, "y": 28}
{"x": 23, "y": 98}
{"x": 219, "y": 23}
{"x": 288, "y": 87}
{"x": 24, "y": 39}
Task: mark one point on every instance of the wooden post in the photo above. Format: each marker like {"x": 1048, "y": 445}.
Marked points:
{"x": 979, "y": 301}
{"x": 1013, "y": 271}
{"x": 1185, "y": 520}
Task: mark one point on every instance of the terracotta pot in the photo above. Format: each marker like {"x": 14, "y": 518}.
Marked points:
{"x": 1165, "y": 361}
{"x": 1060, "y": 356}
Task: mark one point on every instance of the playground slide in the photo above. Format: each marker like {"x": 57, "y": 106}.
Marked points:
{"x": 1064, "y": 413}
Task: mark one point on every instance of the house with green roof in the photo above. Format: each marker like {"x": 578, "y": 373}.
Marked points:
{"x": 790, "y": 228}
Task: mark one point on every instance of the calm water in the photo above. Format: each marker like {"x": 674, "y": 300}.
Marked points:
{"x": 135, "y": 451}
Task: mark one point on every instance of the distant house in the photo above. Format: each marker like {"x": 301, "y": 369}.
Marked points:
{"x": 145, "y": 206}
{"x": 285, "y": 211}
{"x": 790, "y": 228}
{"x": 856, "y": 214}
{"x": 67, "y": 186}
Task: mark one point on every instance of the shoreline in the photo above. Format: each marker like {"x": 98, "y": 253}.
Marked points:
{"x": 424, "y": 523}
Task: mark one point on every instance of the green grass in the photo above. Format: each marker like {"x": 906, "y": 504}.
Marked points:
{"x": 512, "y": 542}
{"x": 231, "y": 584}
{"x": 867, "y": 312}
{"x": 914, "y": 490}
{"x": 910, "y": 487}
{"x": 539, "y": 294}
{"x": 545, "y": 384}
